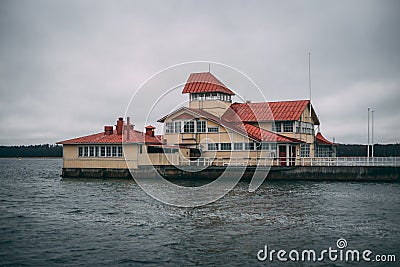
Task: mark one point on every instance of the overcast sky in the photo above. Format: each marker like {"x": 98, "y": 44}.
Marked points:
{"x": 67, "y": 68}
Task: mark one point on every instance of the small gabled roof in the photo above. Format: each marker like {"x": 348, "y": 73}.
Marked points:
{"x": 320, "y": 139}
{"x": 114, "y": 138}
{"x": 205, "y": 82}
{"x": 268, "y": 111}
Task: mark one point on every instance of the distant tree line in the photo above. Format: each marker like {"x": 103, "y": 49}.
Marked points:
{"x": 390, "y": 150}
{"x": 46, "y": 150}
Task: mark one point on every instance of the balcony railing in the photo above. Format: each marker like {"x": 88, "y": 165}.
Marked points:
{"x": 174, "y": 159}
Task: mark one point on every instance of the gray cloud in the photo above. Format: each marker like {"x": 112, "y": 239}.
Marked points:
{"x": 69, "y": 67}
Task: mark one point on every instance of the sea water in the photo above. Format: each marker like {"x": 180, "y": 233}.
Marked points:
{"x": 48, "y": 221}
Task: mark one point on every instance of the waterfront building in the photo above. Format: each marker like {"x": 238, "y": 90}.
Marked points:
{"x": 211, "y": 130}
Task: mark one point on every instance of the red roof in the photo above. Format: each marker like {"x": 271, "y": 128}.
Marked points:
{"x": 267, "y": 136}
{"x": 322, "y": 140}
{"x": 205, "y": 82}
{"x": 267, "y": 111}
{"x": 114, "y": 138}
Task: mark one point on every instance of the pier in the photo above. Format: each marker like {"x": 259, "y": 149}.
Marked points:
{"x": 315, "y": 169}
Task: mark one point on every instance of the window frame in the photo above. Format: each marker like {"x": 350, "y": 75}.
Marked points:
{"x": 225, "y": 146}
{"x": 201, "y": 126}
{"x": 169, "y": 127}
{"x": 216, "y": 128}
{"x": 177, "y": 126}
{"x": 287, "y": 126}
{"x": 189, "y": 126}
{"x": 249, "y": 146}
{"x": 277, "y": 126}
{"x": 212, "y": 146}
{"x": 305, "y": 150}
{"x": 238, "y": 146}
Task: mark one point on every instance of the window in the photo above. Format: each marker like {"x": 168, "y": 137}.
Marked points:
{"x": 297, "y": 125}
{"x": 237, "y": 146}
{"x": 305, "y": 150}
{"x": 249, "y": 146}
{"x": 213, "y": 129}
{"x": 201, "y": 126}
{"x": 188, "y": 127}
{"x": 258, "y": 146}
{"x": 91, "y": 151}
{"x": 100, "y": 151}
{"x": 265, "y": 146}
{"x": 324, "y": 151}
{"x": 169, "y": 127}
{"x": 305, "y": 127}
{"x": 226, "y": 146}
{"x": 288, "y": 126}
{"x": 212, "y": 146}
{"x": 178, "y": 127}
{"x": 273, "y": 146}
{"x": 140, "y": 149}
{"x": 276, "y": 127}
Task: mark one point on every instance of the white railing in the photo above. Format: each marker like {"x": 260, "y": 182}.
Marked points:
{"x": 314, "y": 161}
{"x": 160, "y": 159}
{"x": 351, "y": 161}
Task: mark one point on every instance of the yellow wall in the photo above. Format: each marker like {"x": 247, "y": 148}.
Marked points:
{"x": 215, "y": 107}
{"x": 132, "y": 158}
{"x": 71, "y": 160}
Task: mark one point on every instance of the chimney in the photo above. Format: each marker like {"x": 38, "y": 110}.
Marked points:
{"x": 128, "y": 122}
{"x": 150, "y": 130}
{"x": 108, "y": 130}
{"x": 120, "y": 125}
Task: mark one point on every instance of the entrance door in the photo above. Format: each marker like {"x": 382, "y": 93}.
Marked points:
{"x": 282, "y": 155}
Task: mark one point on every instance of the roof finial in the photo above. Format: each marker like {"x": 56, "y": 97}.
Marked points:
{"x": 209, "y": 68}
